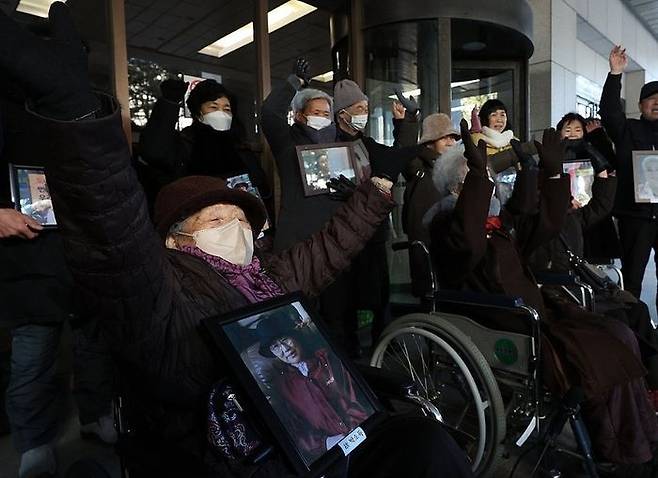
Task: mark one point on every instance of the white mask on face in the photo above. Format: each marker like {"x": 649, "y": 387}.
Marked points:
{"x": 218, "y": 120}
{"x": 358, "y": 122}
{"x": 317, "y": 122}
{"x": 232, "y": 241}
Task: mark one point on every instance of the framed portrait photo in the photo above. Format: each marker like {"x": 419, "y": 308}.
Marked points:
{"x": 243, "y": 182}
{"x": 316, "y": 406}
{"x": 581, "y": 174}
{"x": 30, "y": 194}
{"x": 645, "y": 176}
{"x": 318, "y": 163}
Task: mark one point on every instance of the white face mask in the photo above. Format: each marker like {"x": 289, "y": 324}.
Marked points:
{"x": 232, "y": 241}
{"x": 218, "y": 120}
{"x": 358, "y": 122}
{"x": 317, "y": 122}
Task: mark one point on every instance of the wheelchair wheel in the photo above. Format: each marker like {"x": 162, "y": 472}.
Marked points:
{"x": 452, "y": 374}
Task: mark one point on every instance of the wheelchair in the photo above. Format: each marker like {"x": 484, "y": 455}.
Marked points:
{"x": 484, "y": 380}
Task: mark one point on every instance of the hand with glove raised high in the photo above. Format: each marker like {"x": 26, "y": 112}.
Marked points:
{"x": 525, "y": 158}
{"x": 410, "y": 104}
{"x": 551, "y": 152}
{"x": 302, "y": 70}
{"x": 173, "y": 89}
{"x": 53, "y": 72}
{"x": 598, "y": 160}
{"x": 476, "y": 156}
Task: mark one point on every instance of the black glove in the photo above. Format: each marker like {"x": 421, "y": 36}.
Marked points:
{"x": 525, "y": 159}
{"x": 410, "y": 104}
{"x": 476, "y": 156}
{"x": 599, "y": 161}
{"x": 342, "y": 188}
{"x": 173, "y": 89}
{"x": 551, "y": 152}
{"x": 302, "y": 70}
{"x": 53, "y": 72}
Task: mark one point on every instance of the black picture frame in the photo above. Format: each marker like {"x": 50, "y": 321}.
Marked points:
{"x": 312, "y": 153}
{"x": 581, "y": 175}
{"x": 237, "y": 345}
{"x": 25, "y": 182}
{"x": 645, "y": 170}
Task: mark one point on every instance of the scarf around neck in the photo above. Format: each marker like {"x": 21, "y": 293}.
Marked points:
{"x": 249, "y": 280}
{"x": 496, "y": 139}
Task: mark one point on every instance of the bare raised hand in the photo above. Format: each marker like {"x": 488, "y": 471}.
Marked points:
{"x": 618, "y": 60}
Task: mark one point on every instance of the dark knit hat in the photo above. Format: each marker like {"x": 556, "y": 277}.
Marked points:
{"x": 649, "y": 89}
{"x": 185, "y": 196}
{"x": 273, "y": 326}
{"x": 206, "y": 90}
{"x": 346, "y": 93}
{"x": 489, "y": 107}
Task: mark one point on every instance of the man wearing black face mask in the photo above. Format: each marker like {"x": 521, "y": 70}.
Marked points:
{"x": 211, "y": 145}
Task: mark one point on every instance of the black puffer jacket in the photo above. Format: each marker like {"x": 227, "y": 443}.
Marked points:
{"x": 151, "y": 300}
{"x": 627, "y": 135}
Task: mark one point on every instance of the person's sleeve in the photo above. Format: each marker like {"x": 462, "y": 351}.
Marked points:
{"x": 460, "y": 243}
{"x": 600, "y": 206}
{"x": 256, "y": 174}
{"x": 111, "y": 247}
{"x": 159, "y": 143}
{"x": 405, "y": 131}
{"x": 274, "y": 118}
{"x": 610, "y": 108}
{"x": 525, "y": 195}
{"x": 313, "y": 264}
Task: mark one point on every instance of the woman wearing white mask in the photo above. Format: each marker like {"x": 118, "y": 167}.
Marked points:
{"x": 212, "y": 145}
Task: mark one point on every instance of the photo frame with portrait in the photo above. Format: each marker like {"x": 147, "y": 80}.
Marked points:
{"x": 313, "y": 401}
{"x": 318, "y": 163}
{"x": 581, "y": 174}
{"x": 30, "y": 194}
{"x": 645, "y": 176}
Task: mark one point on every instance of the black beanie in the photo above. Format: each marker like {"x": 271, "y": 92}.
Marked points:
{"x": 489, "y": 107}
{"x": 206, "y": 90}
{"x": 649, "y": 89}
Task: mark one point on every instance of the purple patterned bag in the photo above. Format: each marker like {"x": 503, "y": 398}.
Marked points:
{"x": 229, "y": 430}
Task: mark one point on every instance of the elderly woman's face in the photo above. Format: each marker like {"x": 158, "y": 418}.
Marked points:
{"x": 287, "y": 350}
{"x": 572, "y": 130}
{"x": 220, "y": 104}
{"x": 442, "y": 145}
{"x": 498, "y": 120}
{"x": 207, "y": 218}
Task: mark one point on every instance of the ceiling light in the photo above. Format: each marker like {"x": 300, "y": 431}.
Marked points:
{"x": 324, "y": 77}
{"x": 277, "y": 18}
{"x": 456, "y": 84}
{"x": 37, "y": 8}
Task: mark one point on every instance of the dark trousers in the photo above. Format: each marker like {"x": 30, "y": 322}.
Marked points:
{"x": 638, "y": 237}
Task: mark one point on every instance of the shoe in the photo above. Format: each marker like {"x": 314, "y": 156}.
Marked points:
{"x": 103, "y": 429}
{"x": 38, "y": 462}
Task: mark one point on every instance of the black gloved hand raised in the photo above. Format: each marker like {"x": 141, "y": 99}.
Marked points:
{"x": 525, "y": 159}
{"x": 302, "y": 70}
{"x": 53, "y": 72}
{"x": 551, "y": 152}
{"x": 598, "y": 160}
{"x": 410, "y": 104}
{"x": 476, "y": 156}
{"x": 173, "y": 89}
{"x": 342, "y": 188}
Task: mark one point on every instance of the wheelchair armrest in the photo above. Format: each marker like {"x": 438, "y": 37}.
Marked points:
{"x": 386, "y": 382}
{"x": 478, "y": 298}
{"x": 556, "y": 278}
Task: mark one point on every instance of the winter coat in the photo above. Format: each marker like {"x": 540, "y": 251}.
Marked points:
{"x": 628, "y": 135}
{"x": 196, "y": 150}
{"x": 151, "y": 300}
{"x": 301, "y": 216}
{"x": 553, "y": 255}
{"x": 36, "y": 286}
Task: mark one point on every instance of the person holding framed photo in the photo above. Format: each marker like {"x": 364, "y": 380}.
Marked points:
{"x": 638, "y": 221}
{"x": 153, "y": 286}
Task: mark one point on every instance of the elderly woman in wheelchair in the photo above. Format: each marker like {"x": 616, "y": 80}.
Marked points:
{"x": 478, "y": 246}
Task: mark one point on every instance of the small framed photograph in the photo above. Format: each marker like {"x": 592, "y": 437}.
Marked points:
{"x": 581, "y": 174}
{"x": 645, "y": 176}
{"x": 319, "y": 163}
{"x": 316, "y": 406}
{"x": 30, "y": 194}
{"x": 243, "y": 182}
